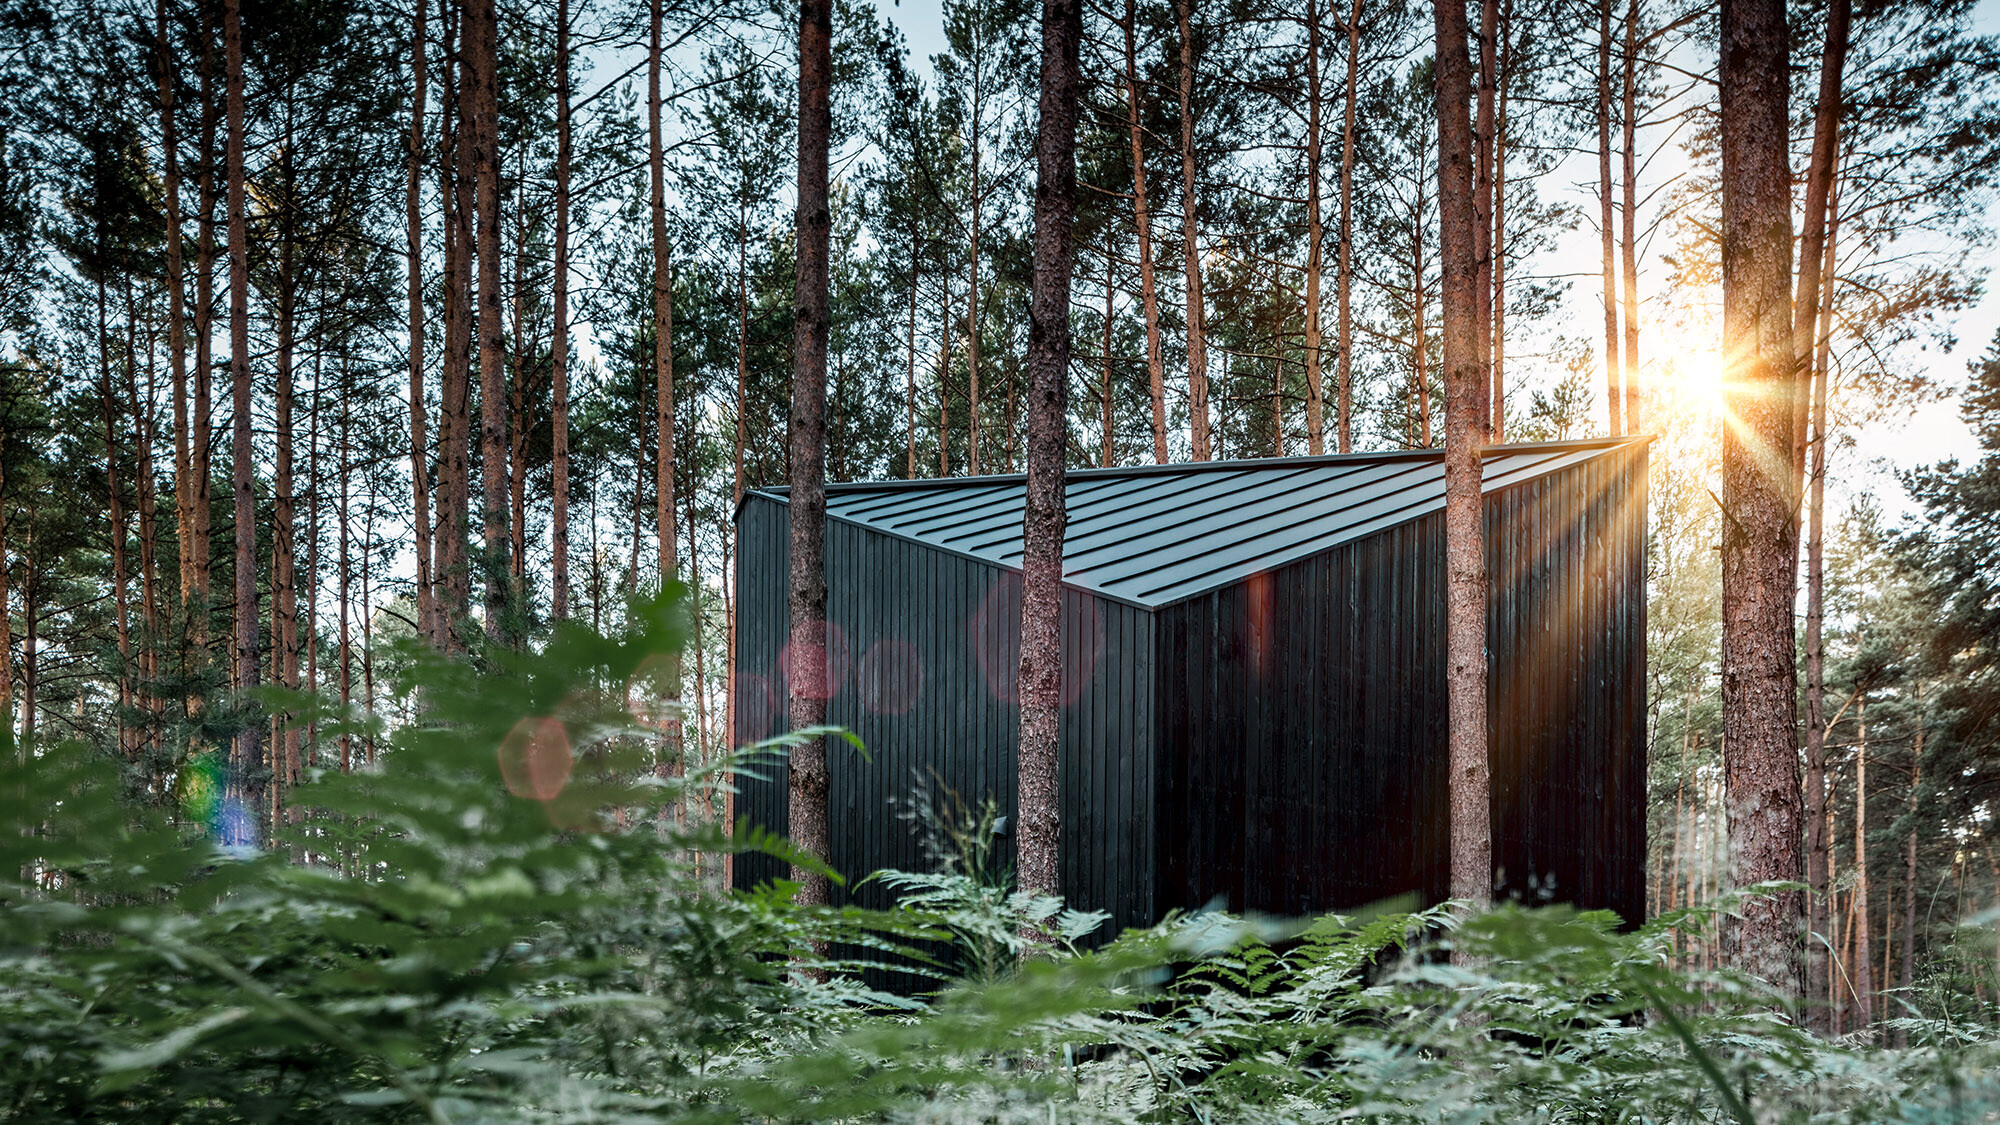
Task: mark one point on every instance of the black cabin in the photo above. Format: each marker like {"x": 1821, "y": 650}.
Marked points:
{"x": 1254, "y": 674}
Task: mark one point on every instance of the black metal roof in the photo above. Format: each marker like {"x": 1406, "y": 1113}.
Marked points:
{"x": 1152, "y": 535}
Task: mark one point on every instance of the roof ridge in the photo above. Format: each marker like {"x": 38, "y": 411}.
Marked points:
{"x": 1176, "y": 468}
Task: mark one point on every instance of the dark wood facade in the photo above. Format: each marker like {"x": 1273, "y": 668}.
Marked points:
{"x": 1273, "y": 742}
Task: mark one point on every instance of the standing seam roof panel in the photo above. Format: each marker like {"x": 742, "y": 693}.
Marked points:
{"x": 1154, "y": 535}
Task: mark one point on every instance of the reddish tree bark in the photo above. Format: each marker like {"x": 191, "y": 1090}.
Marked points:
{"x": 1315, "y": 391}
{"x": 1759, "y": 492}
{"x": 1044, "y": 515}
{"x": 559, "y": 345}
{"x": 482, "y": 68}
{"x": 1344, "y": 297}
{"x": 1613, "y": 395}
{"x": 245, "y": 773}
{"x": 1148, "y": 293}
{"x": 1197, "y": 332}
{"x": 1465, "y": 428}
{"x": 413, "y": 218}
{"x": 806, "y": 677}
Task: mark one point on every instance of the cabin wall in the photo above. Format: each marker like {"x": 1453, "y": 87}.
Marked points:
{"x": 926, "y": 658}
{"x": 1303, "y": 713}
{"x": 1300, "y": 712}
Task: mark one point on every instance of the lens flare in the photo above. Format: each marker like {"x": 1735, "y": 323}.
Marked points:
{"x": 535, "y": 759}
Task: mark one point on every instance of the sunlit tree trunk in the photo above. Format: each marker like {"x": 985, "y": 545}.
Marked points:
{"x": 1629, "y": 247}
{"x": 1613, "y": 395}
{"x": 1465, "y": 431}
{"x": 1498, "y": 299}
{"x": 1818, "y": 212}
{"x": 1759, "y": 494}
{"x": 1483, "y": 246}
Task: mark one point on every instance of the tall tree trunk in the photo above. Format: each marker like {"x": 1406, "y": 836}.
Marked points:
{"x": 200, "y": 496}
{"x": 1634, "y": 421}
{"x": 1497, "y": 425}
{"x": 1465, "y": 428}
{"x": 6, "y": 620}
{"x": 1818, "y": 209}
{"x": 413, "y": 219}
{"x": 1044, "y": 515}
{"x": 806, "y": 684}
{"x": 246, "y": 781}
{"x": 284, "y": 526}
{"x": 1910, "y": 808}
{"x": 1864, "y": 947}
{"x": 639, "y": 467}
{"x": 141, "y": 411}
{"x": 30, "y": 638}
{"x": 972, "y": 296}
{"x": 170, "y": 191}
{"x": 1197, "y": 331}
{"x": 743, "y": 345}
{"x": 1819, "y": 842}
{"x": 1344, "y": 297}
{"x": 346, "y": 600}
{"x": 1420, "y": 357}
{"x": 453, "y": 571}
{"x": 1315, "y": 391}
{"x": 115, "y": 514}
{"x": 1148, "y": 294}
{"x": 518, "y": 390}
{"x": 559, "y": 343}
{"x": 482, "y": 66}
{"x": 1482, "y": 213}
{"x": 1613, "y": 395}
{"x": 1759, "y": 493}
{"x": 1105, "y": 422}
{"x": 910, "y": 347}
{"x": 663, "y": 322}
{"x": 944, "y": 379}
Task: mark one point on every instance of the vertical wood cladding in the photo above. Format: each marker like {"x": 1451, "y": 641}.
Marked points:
{"x": 924, "y": 676}
{"x": 1274, "y": 744}
{"x": 1303, "y": 721}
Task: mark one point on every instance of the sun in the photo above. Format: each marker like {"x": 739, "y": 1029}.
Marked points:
{"x": 1689, "y": 377}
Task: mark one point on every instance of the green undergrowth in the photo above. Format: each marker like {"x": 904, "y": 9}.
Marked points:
{"x": 502, "y": 921}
